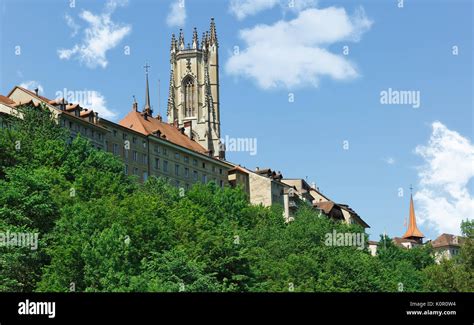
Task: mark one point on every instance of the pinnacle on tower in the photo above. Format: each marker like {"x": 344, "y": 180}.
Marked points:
{"x": 195, "y": 39}
{"x": 173, "y": 43}
{"x": 213, "y": 36}
{"x": 203, "y": 41}
{"x": 181, "y": 39}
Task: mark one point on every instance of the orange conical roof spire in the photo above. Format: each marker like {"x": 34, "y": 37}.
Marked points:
{"x": 413, "y": 232}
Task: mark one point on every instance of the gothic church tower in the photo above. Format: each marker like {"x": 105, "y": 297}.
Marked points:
{"x": 193, "y": 102}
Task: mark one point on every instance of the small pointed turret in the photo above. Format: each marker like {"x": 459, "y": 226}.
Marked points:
{"x": 213, "y": 33}
{"x": 195, "y": 39}
{"x": 181, "y": 40}
{"x": 173, "y": 43}
{"x": 203, "y": 41}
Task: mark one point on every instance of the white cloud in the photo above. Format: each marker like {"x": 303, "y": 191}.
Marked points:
{"x": 294, "y": 53}
{"x": 177, "y": 14}
{"x": 298, "y": 5}
{"x": 244, "y": 8}
{"x": 390, "y": 160}
{"x": 31, "y": 85}
{"x": 72, "y": 24}
{"x": 444, "y": 200}
{"x": 97, "y": 102}
{"x": 101, "y": 36}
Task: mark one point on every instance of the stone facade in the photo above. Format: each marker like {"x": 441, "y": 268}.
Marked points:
{"x": 143, "y": 155}
{"x": 193, "y": 101}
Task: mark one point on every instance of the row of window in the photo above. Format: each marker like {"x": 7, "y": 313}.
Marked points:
{"x": 177, "y": 170}
{"x": 177, "y": 156}
{"x": 177, "y": 182}
{"x": 89, "y": 133}
{"x": 125, "y": 138}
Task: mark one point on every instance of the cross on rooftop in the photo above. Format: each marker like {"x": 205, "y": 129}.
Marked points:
{"x": 146, "y": 66}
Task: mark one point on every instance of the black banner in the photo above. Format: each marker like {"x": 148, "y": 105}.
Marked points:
{"x": 447, "y": 308}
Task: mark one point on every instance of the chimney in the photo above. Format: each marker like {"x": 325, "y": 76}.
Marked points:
{"x": 182, "y": 130}
{"x": 257, "y": 169}
{"x": 96, "y": 115}
{"x": 36, "y": 91}
{"x": 175, "y": 123}
{"x": 188, "y": 126}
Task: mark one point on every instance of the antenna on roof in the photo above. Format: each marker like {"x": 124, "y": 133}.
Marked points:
{"x": 159, "y": 97}
{"x": 135, "y": 104}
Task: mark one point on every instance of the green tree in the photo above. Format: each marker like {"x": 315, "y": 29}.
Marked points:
{"x": 455, "y": 275}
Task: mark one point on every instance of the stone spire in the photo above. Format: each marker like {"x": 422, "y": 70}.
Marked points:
{"x": 173, "y": 43}
{"x": 147, "y": 109}
{"x": 413, "y": 232}
{"x": 195, "y": 39}
{"x": 181, "y": 40}
{"x": 203, "y": 41}
{"x": 213, "y": 33}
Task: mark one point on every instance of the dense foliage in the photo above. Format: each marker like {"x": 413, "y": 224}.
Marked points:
{"x": 100, "y": 230}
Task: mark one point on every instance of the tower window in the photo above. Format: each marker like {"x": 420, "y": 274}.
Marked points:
{"x": 189, "y": 97}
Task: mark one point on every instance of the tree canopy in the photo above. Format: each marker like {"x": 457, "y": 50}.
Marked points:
{"x": 100, "y": 230}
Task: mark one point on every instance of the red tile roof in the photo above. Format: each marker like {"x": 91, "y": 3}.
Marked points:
{"x": 326, "y": 206}
{"x": 6, "y": 100}
{"x": 240, "y": 169}
{"x": 447, "y": 240}
{"x": 398, "y": 241}
{"x": 136, "y": 121}
{"x": 86, "y": 112}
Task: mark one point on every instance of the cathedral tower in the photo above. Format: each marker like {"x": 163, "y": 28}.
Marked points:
{"x": 193, "y": 101}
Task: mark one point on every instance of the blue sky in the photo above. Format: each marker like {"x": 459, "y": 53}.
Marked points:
{"x": 336, "y": 132}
